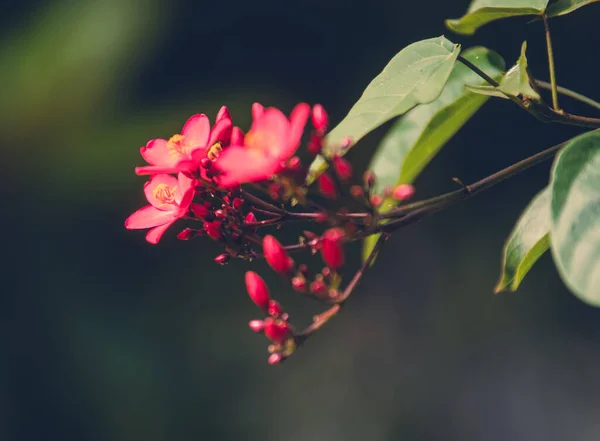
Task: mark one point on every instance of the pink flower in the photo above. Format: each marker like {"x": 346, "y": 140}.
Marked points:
{"x": 272, "y": 139}
{"x": 184, "y": 152}
{"x": 169, "y": 198}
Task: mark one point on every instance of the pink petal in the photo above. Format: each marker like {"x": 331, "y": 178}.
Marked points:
{"x": 196, "y": 131}
{"x": 272, "y": 127}
{"x": 221, "y": 132}
{"x": 163, "y": 180}
{"x": 237, "y": 136}
{"x": 154, "y": 235}
{"x": 157, "y": 153}
{"x": 148, "y": 217}
{"x": 298, "y": 120}
{"x": 240, "y": 164}
{"x": 223, "y": 113}
{"x": 185, "y": 185}
{"x": 257, "y": 111}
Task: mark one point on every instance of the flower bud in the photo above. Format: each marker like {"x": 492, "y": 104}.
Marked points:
{"x": 376, "y": 200}
{"x": 357, "y": 191}
{"x": 275, "y": 309}
{"x": 250, "y": 218}
{"x": 257, "y": 290}
{"x": 403, "y": 192}
{"x": 320, "y": 119}
{"x": 299, "y": 284}
{"x": 213, "y": 230}
{"x": 276, "y": 358}
{"x": 200, "y": 211}
{"x": 222, "y": 259}
{"x": 295, "y": 163}
{"x": 276, "y": 256}
{"x": 237, "y": 136}
{"x": 223, "y": 113}
{"x": 187, "y": 234}
{"x": 369, "y": 179}
{"x": 332, "y": 249}
{"x": 277, "y": 331}
{"x": 219, "y": 214}
{"x": 342, "y": 168}
{"x": 318, "y": 287}
{"x": 327, "y": 186}
{"x": 315, "y": 144}
{"x": 237, "y": 203}
{"x": 257, "y": 325}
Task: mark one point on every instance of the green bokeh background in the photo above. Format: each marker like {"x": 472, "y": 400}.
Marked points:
{"x": 105, "y": 337}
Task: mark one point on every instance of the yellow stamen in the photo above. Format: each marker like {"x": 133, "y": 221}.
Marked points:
{"x": 176, "y": 145}
{"x": 214, "y": 151}
{"x": 164, "y": 194}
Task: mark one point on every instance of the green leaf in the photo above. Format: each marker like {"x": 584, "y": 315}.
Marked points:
{"x": 516, "y": 82}
{"x": 563, "y": 7}
{"x": 419, "y": 135}
{"x": 417, "y": 74}
{"x": 484, "y": 11}
{"x": 575, "y": 212}
{"x": 527, "y": 242}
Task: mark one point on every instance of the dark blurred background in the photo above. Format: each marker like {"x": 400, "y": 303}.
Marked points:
{"x": 105, "y": 337}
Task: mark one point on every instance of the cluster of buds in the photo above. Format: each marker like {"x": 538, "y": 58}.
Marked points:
{"x": 198, "y": 176}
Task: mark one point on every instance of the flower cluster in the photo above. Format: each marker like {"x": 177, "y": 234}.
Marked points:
{"x": 199, "y": 176}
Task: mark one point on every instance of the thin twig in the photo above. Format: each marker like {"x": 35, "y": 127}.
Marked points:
{"x": 570, "y": 93}
{"x": 551, "y": 64}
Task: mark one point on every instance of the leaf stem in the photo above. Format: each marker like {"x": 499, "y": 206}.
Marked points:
{"x": 568, "y": 92}
{"x": 551, "y": 64}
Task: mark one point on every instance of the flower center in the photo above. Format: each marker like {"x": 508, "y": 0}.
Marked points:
{"x": 176, "y": 145}
{"x": 164, "y": 194}
{"x": 214, "y": 151}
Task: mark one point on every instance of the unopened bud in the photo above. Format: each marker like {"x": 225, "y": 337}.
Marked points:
{"x": 200, "y": 211}
{"x": 257, "y": 111}
{"x": 357, "y": 191}
{"x": 277, "y": 331}
{"x": 274, "y": 191}
{"x": 237, "y": 203}
{"x": 342, "y": 168}
{"x": 403, "y": 192}
{"x": 376, "y": 200}
{"x": 369, "y": 179}
{"x": 187, "y": 234}
{"x": 213, "y": 230}
{"x": 275, "y": 309}
{"x": 332, "y": 249}
{"x": 315, "y": 144}
{"x": 250, "y": 218}
{"x": 299, "y": 284}
{"x": 220, "y": 214}
{"x": 327, "y": 186}
{"x": 320, "y": 119}
{"x": 295, "y": 163}
{"x": 222, "y": 259}
{"x": 223, "y": 113}
{"x": 276, "y": 358}
{"x": 257, "y": 325}
{"x": 258, "y": 290}
{"x": 318, "y": 287}
{"x": 276, "y": 256}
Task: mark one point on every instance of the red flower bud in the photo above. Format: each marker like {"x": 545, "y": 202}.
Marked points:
{"x": 199, "y": 210}
{"x": 257, "y": 290}
{"x": 357, "y": 191}
{"x": 276, "y": 256}
{"x": 277, "y": 331}
{"x": 299, "y": 284}
{"x": 213, "y": 230}
{"x": 369, "y": 179}
{"x": 257, "y": 325}
{"x": 275, "y": 309}
{"x": 315, "y": 144}
{"x": 320, "y": 119}
{"x": 318, "y": 287}
{"x": 332, "y": 249}
{"x": 187, "y": 234}
{"x": 237, "y": 136}
{"x": 222, "y": 259}
{"x": 327, "y": 186}
{"x": 342, "y": 168}
{"x": 275, "y": 359}
{"x": 220, "y": 214}
{"x": 237, "y": 203}
{"x": 403, "y": 192}
{"x": 295, "y": 163}
{"x": 250, "y": 218}
{"x": 376, "y": 200}
{"x": 257, "y": 111}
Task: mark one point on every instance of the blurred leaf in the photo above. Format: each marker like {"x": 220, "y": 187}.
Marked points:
{"x": 575, "y": 211}
{"x": 563, "y": 7}
{"x": 417, "y": 74}
{"x": 481, "y": 12}
{"x": 516, "y": 82}
{"x": 526, "y": 243}
{"x": 418, "y": 136}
